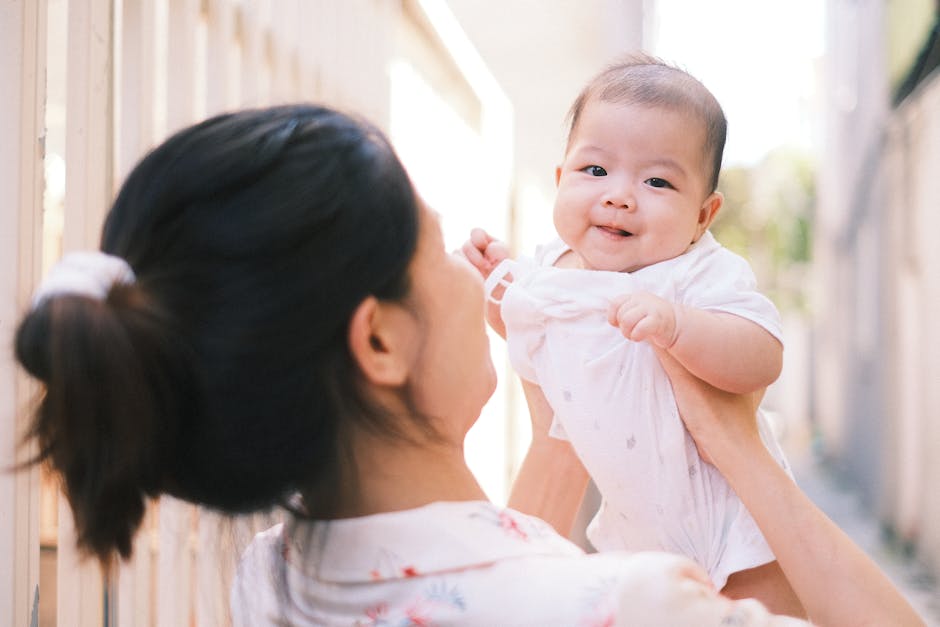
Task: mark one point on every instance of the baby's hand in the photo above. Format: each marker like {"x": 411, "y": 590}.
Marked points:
{"x": 484, "y": 252}
{"x": 644, "y": 316}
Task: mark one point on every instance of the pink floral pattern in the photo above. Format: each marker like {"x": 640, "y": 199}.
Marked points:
{"x": 462, "y": 563}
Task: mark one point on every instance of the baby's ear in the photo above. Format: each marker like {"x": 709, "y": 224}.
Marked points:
{"x": 707, "y": 213}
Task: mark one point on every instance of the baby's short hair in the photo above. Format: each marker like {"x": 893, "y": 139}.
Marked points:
{"x": 642, "y": 79}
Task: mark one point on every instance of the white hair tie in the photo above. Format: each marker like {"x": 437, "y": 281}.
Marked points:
{"x": 88, "y": 274}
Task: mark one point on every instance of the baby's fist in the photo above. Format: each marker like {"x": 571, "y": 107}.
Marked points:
{"x": 642, "y": 316}
{"x": 483, "y": 251}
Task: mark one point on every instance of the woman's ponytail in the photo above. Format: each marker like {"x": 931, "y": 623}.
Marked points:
{"x": 117, "y": 384}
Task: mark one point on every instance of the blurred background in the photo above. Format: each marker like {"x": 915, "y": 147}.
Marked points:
{"x": 831, "y": 178}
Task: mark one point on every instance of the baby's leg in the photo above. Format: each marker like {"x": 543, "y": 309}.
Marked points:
{"x": 767, "y": 584}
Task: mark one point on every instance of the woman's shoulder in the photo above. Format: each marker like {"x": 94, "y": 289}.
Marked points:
{"x": 469, "y": 563}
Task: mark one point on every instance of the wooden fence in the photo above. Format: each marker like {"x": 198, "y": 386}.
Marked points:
{"x": 89, "y": 87}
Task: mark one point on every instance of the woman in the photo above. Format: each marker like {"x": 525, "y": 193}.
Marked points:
{"x": 273, "y": 320}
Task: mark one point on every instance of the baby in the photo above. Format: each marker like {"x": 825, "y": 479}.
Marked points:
{"x": 634, "y": 268}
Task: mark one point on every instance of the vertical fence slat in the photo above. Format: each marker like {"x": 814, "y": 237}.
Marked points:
{"x": 290, "y": 38}
{"x": 278, "y": 55}
{"x": 89, "y": 176}
{"x": 261, "y": 19}
{"x": 173, "y": 587}
{"x": 175, "y": 581}
{"x": 89, "y": 133}
{"x": 254, "y": 90}
{"x": 22, "y": 102}
{"x": 215, "y": 563}
{"x": 135, "y": 104}
{"x": 220, "y": 89}
{"x": 136, "y": 89}
{"x": 182, "y": 21}
{"x": 306, "y": 87}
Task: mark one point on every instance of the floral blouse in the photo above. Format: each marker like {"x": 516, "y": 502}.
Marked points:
{"x": 466, "y": 563}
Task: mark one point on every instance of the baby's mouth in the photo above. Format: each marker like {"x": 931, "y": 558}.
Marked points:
{"x": 615, "y": 231}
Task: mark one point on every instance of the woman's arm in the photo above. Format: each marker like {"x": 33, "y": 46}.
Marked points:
{"x": 836, "y": 581}
{"x": 551, "y": 481}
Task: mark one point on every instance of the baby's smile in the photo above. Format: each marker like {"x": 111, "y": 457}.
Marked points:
{"x": 613, "y": 231}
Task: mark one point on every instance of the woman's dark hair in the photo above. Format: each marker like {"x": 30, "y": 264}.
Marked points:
{"x": 222, "y": 375}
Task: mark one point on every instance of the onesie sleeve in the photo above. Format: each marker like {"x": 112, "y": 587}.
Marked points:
{"x": 720, "y": 280}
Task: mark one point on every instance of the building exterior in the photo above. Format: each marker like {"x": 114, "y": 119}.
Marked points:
{"x": 877, "y": 288}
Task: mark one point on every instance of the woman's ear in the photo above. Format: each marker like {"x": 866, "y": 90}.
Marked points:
{"x": 707, "y": 213}
{"x": 382, "y": 341}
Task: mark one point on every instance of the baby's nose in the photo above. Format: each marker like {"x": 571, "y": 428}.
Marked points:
{"x": 619, "y": 198}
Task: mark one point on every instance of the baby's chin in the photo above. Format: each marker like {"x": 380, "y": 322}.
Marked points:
{"x": 609, "y": 263}
{"x": 599, "y": 261}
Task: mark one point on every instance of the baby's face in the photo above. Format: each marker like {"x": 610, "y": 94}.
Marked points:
{"x": 632, "y": 190}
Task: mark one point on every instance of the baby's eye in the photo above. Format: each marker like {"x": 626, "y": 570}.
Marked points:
{"x": 658, "y": 182}
{"x": 595, "y": 170}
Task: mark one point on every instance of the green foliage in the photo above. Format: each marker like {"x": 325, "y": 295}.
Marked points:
{"x": 767, "y": 218}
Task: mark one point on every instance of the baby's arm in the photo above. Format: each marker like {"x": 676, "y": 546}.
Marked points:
{"x": 729, "y": 352}
{"x": 485, "y": 253}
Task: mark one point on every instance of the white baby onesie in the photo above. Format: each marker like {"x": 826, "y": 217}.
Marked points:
{"x": 613, "y": 400}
